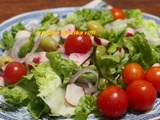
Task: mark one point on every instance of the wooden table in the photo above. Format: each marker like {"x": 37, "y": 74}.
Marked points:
{"x": 10, "y": 8}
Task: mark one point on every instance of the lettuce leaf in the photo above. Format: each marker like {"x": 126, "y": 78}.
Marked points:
{"x": 148, "y": 24}
{"x": 81, "y": 17}
{"x": 51, "y": 91}
{"x": 64, "y": 68}
{"x": 47, "y": 20}
{"x": 86, "y": 105}
{"x": 26, "y": 48}
{"x": 8, "y": 36}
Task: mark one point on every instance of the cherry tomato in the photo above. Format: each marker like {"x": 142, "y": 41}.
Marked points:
{"x": 117, "y": 13}
{"x": 14, "y": 72}
{"x": 152, "y": 75}
{"x": 132, "y": 72}
{"x": 77, "y": 44}
{"x": 112, "y": 102}
{"x": 141, "y": 95}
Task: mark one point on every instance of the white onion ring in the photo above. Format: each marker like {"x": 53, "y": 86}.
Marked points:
{"x": 19, "y": 44}
{"x": 16, "y": 47}
{"x": 88, "y": 90}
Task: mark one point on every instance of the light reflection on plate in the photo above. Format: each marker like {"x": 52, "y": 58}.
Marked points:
{"x": 34, "y": 18}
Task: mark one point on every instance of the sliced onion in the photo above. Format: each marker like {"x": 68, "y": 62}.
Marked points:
{"x": 16, "y": 47}
{"x": 82, "y": 71}
{"x": 37, "y": 42}
{"x": 88, "y": 90}
{"x": 19, "y": 44}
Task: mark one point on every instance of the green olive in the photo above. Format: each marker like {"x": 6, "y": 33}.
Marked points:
{"x": 94, "y": 25}
{"x": 101, "y": 50}
{"x": 48, "y": 43}
{"x": 4, "y": 60}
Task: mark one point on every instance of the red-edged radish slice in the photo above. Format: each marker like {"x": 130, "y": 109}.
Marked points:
{"x": 42, "y": 57}
{"x": 73, "y": 94}
{"x": 79, "y": 58}
{"x": 61, "y": 49}
{"x": 2, "y": 83}
{"x": 120, "y": 52}
{"x": 99, "y": 41}
{"x": 67, "y": 30}
{"x": 22, "y": 34}
{"x": 129, "y": 32}
{"x": 156, "y": 65}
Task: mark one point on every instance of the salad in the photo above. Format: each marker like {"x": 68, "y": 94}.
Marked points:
{"x": 91, "y": 62}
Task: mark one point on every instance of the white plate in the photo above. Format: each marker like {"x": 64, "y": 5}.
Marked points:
{"x": 34, "y": 18}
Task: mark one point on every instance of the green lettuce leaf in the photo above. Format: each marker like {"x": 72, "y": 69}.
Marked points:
{"x": 17, "y": 28}
{"x": 86, "y": 105}
{"x": 47, "y": 20}
{"x": 37, "y": 108}
{"x": 8, "y": 37}
{"x": 150, "y": 25}
{"x": 64, "y": 68}
{"x": 51, "y": 91}
{"x": 81, "y": 17}
{"x": 140, "y": 51}
{"x": 26, "y": 48}
{"x": 7, "y": 40}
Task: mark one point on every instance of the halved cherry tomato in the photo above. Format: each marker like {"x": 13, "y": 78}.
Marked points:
{"x": 132, "y": 72}
{"x": 77, "y": 44}
{"x": 13, "y": 72}
{"x": 112, "y": 102}
{"x": 141, "y": 95}
{"x": 117, "y": 13}
{"x": 152, "y": 75}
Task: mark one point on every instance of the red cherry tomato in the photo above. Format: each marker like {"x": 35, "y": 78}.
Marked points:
{"x": 117, "y": 13}
{"x": 14, "y": 72}
{"x": 132, "y": 72}
{"x": 152, "y": 75}
{"x": 141, "y": 95}
{"x": 112, "y": 102}
{"x": 77, "y": 44}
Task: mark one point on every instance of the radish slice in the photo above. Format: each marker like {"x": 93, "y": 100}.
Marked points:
{"x": 2, "y": 83}
{"x": 22, "y": 34}
{"x": 99, "y": 41}
{"x": 67, "y": 30}
{"x": 156, "y": 65}
{"x": 61, "y": 49}
{"x": 129, "y": 32}
{"x": 120, "y": 52}
{"x": 73, "y": 94}
{"x": 79, "y": 58}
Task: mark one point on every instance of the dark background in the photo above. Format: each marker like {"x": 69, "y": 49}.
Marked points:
{"x": 10, "y": 8}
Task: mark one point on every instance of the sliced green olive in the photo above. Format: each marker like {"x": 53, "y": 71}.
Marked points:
{"x": 4, "y": 60}
{"x": 48, "y": 43}
{"x": 94, "y": 25}
{"x": 101, "y": 50}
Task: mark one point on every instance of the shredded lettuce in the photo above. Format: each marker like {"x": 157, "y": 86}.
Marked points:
{"x": 64, "y": 68}
{"x": 47, "y": 20}
{"x": 149, "y": 25}
{"x": 9, "y": 36}
{"x": 86, "y": 105}
{"x": 81, "y": 17}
